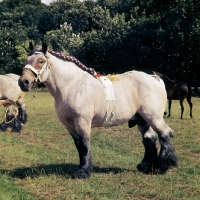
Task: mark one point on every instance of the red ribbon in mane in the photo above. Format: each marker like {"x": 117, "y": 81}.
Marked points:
{"x": 77, "y": 62}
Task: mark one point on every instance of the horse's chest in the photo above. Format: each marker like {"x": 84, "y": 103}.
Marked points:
{"x": 62, "y": 112}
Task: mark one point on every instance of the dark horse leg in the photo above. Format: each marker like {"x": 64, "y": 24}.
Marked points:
{"x": 182, "y": 108}
{"x": 16, "y": 125}
{"x": 190, "y": 104}
{"x": 22, "y": 111}
{"x": 83, "y": 146}
{"x": 169, "y": 107}
{"x": 22, "y": 116}
{"x": 149, "y": 162}
{"x": 167, "y": 157}
{"x": 4, "y": 126}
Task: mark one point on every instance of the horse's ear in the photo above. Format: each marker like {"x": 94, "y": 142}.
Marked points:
{"x": 31, "y": 47}
{"x": 44, "y": 47}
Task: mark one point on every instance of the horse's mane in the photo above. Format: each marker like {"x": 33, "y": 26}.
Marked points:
{"x": 112, "y": 77}
{"x": 76, "y": 61}
{"x": 166, "y": 80}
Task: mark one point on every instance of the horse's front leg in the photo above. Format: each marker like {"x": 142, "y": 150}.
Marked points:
{"x": 169, "y": 107}
{"x": 149, "y": 162}
{"x": 22, "y": 112}
{"x": 81, "y": 138}
{"x": 85, "y": 167}
{"x": 4, "y": 126}
{"x": 16, "y": 125}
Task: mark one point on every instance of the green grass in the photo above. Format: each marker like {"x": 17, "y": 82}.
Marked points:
{"x": 38, "y": 162}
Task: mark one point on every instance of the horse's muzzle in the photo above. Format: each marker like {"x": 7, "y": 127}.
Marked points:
{"x": 24, "y": 85}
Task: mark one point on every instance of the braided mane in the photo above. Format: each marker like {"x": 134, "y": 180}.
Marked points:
{"x": 76, "y": 61}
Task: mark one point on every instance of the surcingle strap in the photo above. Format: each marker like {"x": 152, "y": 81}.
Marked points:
{"x": 77, "y": 62}
{"x": 110, "y": 100}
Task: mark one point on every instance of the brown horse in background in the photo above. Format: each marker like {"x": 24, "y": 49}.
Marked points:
{"x": 177, "y": 91}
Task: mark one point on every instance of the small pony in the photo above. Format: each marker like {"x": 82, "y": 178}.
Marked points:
{"x": 12, "y": 98}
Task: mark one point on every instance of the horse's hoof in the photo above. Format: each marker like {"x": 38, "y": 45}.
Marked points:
{"x": 3, "y": 127}
{"x": 82, "y": 174}
{"x": 15, "y": 130}
{"x": 144, "y": 167}
{"x": 167, "y": 162}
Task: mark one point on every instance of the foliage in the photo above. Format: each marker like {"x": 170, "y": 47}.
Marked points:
{"x": 64, "y": 40}
{"x": 112, "y": 36}
{"x": 18, "y": 25}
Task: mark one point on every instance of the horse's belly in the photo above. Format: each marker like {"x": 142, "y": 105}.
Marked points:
{"x": 116, "y": 114}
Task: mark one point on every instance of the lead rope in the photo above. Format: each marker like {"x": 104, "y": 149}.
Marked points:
{"x": 6, "y": 110}
{"x": 34, "y": 95}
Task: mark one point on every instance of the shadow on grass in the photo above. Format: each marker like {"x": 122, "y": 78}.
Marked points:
{"x": 58, "y": 169}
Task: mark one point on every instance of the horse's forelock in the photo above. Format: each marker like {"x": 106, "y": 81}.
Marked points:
{"x": 36, "y": 49}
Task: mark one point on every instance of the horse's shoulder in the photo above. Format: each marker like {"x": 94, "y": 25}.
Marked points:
{"x": 13, "y": 76}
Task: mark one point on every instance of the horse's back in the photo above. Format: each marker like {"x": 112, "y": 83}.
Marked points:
{"x": 13, "y": 76}
{"x": 9, "y": 88}
{"x": 184, "y": 90}
{"x": 145, "y": 89}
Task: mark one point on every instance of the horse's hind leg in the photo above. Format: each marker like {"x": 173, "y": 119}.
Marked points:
{"x": 182, "y": 108}
{"x": 167, "y": 157}
{"x": 149, "y": 162}
{"x": 191, "y": 105}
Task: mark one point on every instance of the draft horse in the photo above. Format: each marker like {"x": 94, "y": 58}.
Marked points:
{"x": 177, "y": 91}
{"x": 80, "y": 104}
{"x": 12, "y": 98}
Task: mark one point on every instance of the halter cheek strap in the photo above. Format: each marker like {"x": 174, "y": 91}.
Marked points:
{"x": 37, "y": 72}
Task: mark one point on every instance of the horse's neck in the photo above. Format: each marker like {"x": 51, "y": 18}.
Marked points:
{"x": 167, "y": 81}
{"x": 62, "y": 74}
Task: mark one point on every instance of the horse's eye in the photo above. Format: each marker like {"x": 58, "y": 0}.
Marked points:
{"x": 41, "y": 61}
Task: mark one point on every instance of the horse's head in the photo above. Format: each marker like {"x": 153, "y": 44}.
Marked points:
{"x": 36, "y": 66}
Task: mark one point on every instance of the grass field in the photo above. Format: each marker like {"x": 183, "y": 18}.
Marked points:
{"x": 38, "y": 162}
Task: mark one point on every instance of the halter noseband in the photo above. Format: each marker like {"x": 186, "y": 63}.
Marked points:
{"x": 37, "y": 72}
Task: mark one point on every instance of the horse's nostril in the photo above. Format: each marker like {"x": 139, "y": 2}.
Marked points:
{"x": 26, "y": 82}
{"x": 23, "y": 84}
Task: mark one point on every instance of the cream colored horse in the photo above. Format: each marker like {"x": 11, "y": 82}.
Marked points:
{"x": 80, "y": 103}
{"x": 12, "y": 97}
